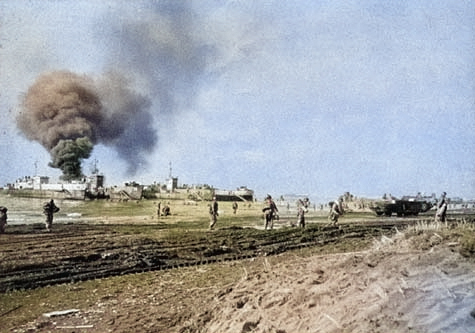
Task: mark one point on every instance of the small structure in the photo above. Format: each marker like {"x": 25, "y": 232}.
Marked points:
{"x": 240, "y": 194}
{"x": 40, "y": 186}
{"x": 172, "y": 182}
{"x": 128, "y": 191}
{"x": 30, "y": 183}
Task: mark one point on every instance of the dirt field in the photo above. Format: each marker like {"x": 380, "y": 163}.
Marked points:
{"x": 386, "y": 275}
{"x": 392, "y": 287}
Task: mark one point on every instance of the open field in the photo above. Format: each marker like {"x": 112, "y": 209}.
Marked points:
{"x": 121, "y": 268}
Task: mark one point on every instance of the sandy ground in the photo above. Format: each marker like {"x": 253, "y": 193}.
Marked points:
{"x": 417, "y": 284}
{"x": 391, "y": 288}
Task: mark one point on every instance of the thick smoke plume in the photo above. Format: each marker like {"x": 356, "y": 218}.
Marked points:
{"x": 68, "y": 114}
{"x": 67, "y": 156}
{"x": 167, "y": 49}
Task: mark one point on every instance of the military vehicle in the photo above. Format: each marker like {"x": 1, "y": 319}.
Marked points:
{"x": 240, "y": 194}
{"x": 400, "y": 207}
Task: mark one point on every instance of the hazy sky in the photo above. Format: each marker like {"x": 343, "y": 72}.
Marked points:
{"x": 305, "y": 97}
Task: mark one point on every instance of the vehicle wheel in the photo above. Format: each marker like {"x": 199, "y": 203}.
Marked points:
{"x": 424, "y": 207}
{"x": 399, "y": 214}
{"x": 387, "y": 213}
{"x": 379, "y": 213}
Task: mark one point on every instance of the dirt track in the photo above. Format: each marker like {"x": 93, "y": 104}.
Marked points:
{"x": 32, "y": 258}
{"x": 406, "y": 281}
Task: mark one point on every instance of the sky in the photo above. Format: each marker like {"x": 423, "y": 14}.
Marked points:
{"x": 285, "y": 97}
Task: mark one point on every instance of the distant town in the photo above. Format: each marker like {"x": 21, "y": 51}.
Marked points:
{"x": 93, "y": 187}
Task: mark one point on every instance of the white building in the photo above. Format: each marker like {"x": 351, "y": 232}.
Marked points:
{"x": 30, "y": 183}
{"x": 172, "y": 184}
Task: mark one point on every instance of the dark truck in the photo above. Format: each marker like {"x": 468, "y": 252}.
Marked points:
{"x": 400, "y": 207}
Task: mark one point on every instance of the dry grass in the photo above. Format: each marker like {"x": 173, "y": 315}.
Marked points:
{"x": 20, "y": 307}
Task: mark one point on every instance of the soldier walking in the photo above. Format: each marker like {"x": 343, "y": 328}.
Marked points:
{"x": 213, "y": 213}
{"x": 302, "y": 209}
{"x": 270, "y": 211}
{"x": 49, "y": 209}
{"x": 441, "y": 213}
{"x": 3, "y": 218}
{"x": 166, "y": 209}
{"x": 235, "y": 207}
{"x": 336, "y": 211}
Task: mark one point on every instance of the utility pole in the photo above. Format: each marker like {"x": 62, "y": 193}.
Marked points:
{"x": 94, "y": 168}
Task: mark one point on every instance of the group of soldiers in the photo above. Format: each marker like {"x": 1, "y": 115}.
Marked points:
{"x": 270, "y": 211}
{"x": 49, "y": 209}
{"x": 336, "y": 211}
{"x": 165, "y": 211}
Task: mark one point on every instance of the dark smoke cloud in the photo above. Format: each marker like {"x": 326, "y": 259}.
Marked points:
{"x": 170, "y": 49}
{"x": 167, "y": 50}
{"x": 67, "y": 156}
{"x": 68, "y": 114}
{"x": 128, "y": 122}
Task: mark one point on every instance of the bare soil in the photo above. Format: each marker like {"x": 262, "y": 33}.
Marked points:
{"x": 393, "y": 287}
{"x": 356, "y": 278}
{"x": 33, "y": 258}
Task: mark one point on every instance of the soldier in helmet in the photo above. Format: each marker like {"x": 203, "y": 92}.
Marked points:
{"x": 3, "y": 218}
{"x": 441, "y": 213}
{"x": 49, "y": 209}
{"x": 270, "y": 212}
{"x": 301, "y": 210}
{"x": 166, "y": 209}
{"x": 213, "y": 213}
{"x": 336, "y": 210}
